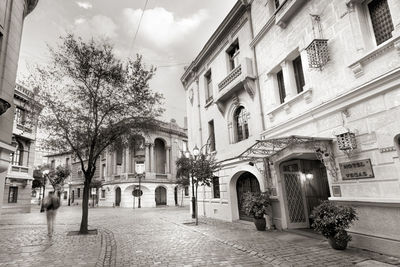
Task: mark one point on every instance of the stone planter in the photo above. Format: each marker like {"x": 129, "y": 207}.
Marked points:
{"x": 337, "y": 244}
{"x": 260, "y": 223}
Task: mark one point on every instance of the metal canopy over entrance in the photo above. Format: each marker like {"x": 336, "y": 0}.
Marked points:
{"x": 268, "y": 147}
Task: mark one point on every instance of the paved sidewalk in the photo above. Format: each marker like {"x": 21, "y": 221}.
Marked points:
{"x": 163, "y": 237}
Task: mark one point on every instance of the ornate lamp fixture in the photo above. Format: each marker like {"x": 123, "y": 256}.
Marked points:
{"x": 4, "y": 105}
{"x": 317, "y": 51}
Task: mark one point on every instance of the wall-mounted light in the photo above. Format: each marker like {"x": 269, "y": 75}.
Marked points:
{"x": 309, "y": 176}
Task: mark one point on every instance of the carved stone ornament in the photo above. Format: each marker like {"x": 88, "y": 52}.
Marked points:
{"x": 191, "y": 95}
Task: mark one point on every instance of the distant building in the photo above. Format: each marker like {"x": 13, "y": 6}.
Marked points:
{"x": 12, "y": 14}
{"x": 302, "y": 98}
{"x": 157, "y": 151}
{"x": 18, "y": 183}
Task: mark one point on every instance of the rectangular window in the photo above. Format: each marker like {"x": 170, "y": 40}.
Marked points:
{"x": 53, "y": 164}
{"x": 281, "y": 86}
{"x": 233, "y": 55}
{"x": 277, "y": 4}
{"x": 186, "y": 190}
{"x": 79, "y": 192}
{"x": 211, "y": 135}
{"x": 13, "y": 194}
{"x": 103, "y": 171}
{"x": 20, "y": 115}
{"x": 381, "y": 20}
{"x": 215, "y": 182}
{"x": 103, "y": 193}
{"x": 299, "y": 75}
{"x": 67, "y": 162}
{"x": 65, "y": 195}
{"x": 119, "y": 157}
{"x": 209, "y": 88}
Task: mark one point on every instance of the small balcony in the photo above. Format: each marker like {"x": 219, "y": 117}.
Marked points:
{"x": 19, "y": 172}
{"x": 241, "y": 77}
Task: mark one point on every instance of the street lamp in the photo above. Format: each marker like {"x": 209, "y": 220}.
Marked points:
{"x": 140, "y": 170}
{"x": 196, "y": 152}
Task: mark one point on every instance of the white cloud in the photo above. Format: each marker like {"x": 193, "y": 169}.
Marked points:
{"x": 160, "y": 27}
{"x": 79, "y": 21}
{"x": 85, "y": 5}
{"x": 97, "y": 26}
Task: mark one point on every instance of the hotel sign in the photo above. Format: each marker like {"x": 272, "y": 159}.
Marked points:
{"x": 360, "y": 169}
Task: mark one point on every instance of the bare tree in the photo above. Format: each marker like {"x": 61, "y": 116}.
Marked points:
{"x": 91, "y": 99}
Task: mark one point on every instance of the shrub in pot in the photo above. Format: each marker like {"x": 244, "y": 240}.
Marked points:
{"x": 257, "y": 205}
{"x": 332, "y": 221}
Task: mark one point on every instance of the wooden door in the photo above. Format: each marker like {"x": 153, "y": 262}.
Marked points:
{"x": 293, "y": 189}
{"x": 161, "y": 196}
{"x": 247, "y": 182}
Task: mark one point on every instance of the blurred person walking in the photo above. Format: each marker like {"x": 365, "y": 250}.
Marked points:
{"x": 51, "y": 204}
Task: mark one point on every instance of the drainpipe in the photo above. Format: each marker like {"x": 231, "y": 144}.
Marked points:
{"x": 248, "y": 10}
{"x": 199, "y": 111}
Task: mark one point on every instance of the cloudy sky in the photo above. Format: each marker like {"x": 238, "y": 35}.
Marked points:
{"x": 171, "y": 34}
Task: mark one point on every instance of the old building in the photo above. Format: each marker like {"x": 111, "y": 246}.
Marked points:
{"x": 322, "y": 100}
{"x": 18, "y": 182}
{"x": 12, "y": 14}
{"x": 155, "y": 152}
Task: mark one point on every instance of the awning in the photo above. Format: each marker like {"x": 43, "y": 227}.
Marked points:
{"x": 268, "y": 147}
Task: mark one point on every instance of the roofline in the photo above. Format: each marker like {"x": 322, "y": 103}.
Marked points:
{"x": 237, "y": 9}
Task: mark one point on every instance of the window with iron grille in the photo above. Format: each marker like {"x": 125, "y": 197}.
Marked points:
{"x": 211, "y": 135}
{"x": 13, "y": 194}
{"x": 299, "y": 75}
{"x": 103, "y": 193}
{"x": 281, "y": 86}
{"x": 209, "y": 88}
{"x": 381, "y": 20}
{"x": 216, "y": 191}
{"x": 241, "y": 123}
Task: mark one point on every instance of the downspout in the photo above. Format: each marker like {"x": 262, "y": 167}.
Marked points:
{"x": 199, "y": 111}
{"x": 248, "y": 10}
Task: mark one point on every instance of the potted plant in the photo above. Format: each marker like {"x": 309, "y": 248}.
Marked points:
{"x": 257, "y": 205}
{"x": 332, "y": 221}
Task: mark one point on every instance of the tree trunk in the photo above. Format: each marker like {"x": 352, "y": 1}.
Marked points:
{"x": 196, "y": 209}
{"x": 85, "y": 208}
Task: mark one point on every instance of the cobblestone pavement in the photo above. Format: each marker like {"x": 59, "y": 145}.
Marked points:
{"x": 163, "y": 237}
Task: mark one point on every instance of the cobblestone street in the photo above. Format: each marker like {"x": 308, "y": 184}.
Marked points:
{"x": 164, "y": 237}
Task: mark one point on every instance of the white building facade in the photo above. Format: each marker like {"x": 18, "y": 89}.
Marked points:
{"x": 157, "y": 151}
{"x": 322, "y": 97}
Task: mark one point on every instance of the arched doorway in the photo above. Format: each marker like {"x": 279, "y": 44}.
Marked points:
{"x": 247, "y": 182}
{"x": 160, "y": 155}
{"x": 176, "y": 195}
{"x": 161, "y": 196}
{"x": 117, "y": 197}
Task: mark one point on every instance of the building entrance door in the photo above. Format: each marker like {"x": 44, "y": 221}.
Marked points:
{"x": 161, "y": 196}
{"x": 118, "y": 197}
{"x": 176, "y": 195}
{"x": 305, "y": 184}
{"x": 247, "y": 182}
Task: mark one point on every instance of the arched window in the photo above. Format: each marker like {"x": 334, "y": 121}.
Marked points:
{"x": 397, "y": 144}
{"x": 160, "y": 155}
{"x": 241, "y": 124}
{"x": 18, "y": 155}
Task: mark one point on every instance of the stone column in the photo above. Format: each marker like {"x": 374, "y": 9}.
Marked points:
{"x": 168, "y": 164}
{"x": 152, "y": 161}
{"x": 147, "y": 157}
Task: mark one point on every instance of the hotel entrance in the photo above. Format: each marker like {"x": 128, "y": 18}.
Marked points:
{"x": 305, "y": 185}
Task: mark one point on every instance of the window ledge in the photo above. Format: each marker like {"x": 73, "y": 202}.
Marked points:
{"x": 306, "y": 95}
{"x": 358, "y": 66}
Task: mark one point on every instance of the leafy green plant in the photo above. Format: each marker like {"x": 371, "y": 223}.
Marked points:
{"x": 332, "y": 220}
{"x": 256, "y": 204}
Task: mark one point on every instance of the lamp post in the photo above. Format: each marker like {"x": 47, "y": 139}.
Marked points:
{"x": 45, "y": 176}
{"x": 140, "y": 168}
{"x": 196, "y": 152}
